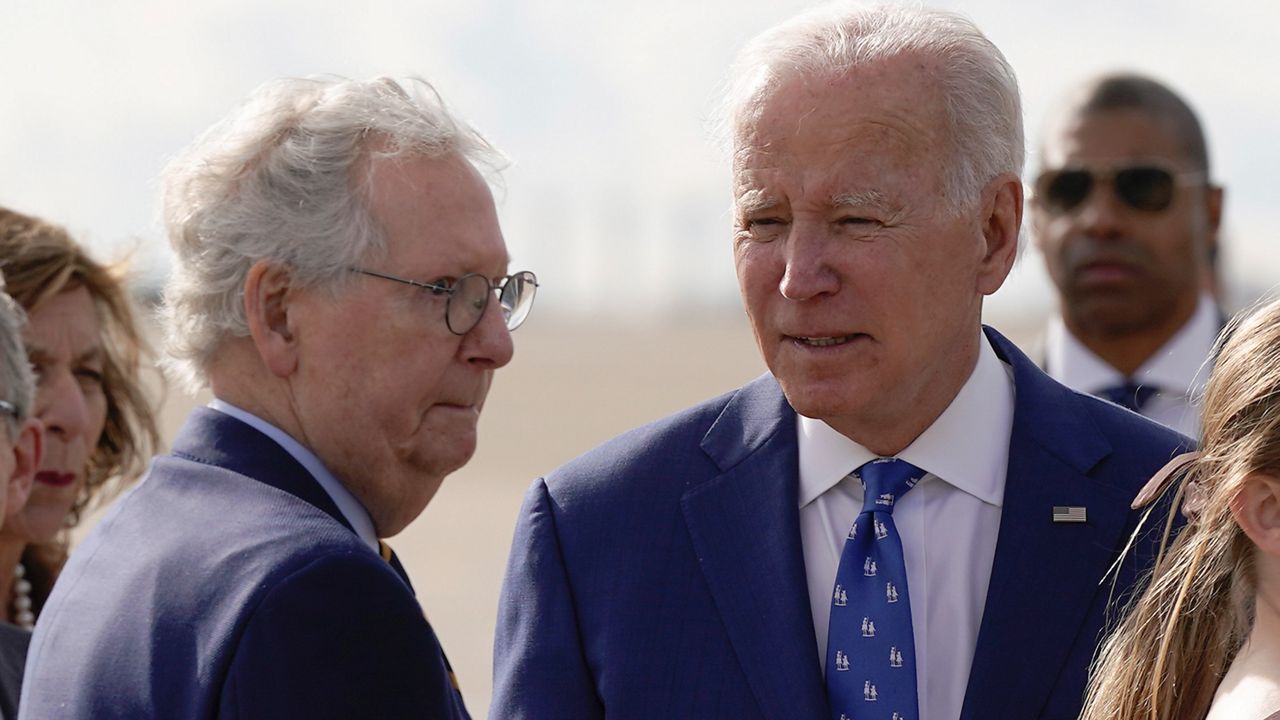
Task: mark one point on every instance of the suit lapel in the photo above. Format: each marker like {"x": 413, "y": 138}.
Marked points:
{"x": 218, "y": 439}
{"x": 1044, "y": 574}
{"x": 745, "y": 529}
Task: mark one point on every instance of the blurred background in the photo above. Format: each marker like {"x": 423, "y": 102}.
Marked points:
{"x": 616, "y": 196}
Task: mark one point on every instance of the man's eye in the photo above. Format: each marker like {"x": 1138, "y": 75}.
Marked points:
{"x": 757, "y": 222}
{"x": 858, "y": 220}
{"x": 441, "y": 286}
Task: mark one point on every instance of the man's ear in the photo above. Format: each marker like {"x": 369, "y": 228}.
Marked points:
{"x": 28, "y": 449}
{"x": 1001, "y": 222}
{"x": 267, "y": 298}
{"x": 1256, "y": 509}
{"x": 1214, "y": 196}
{"x": 1213, "y": 215}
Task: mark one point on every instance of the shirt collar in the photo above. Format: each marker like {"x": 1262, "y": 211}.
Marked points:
{"x": 1179, "y": 368}
{"x": 347, "y": 503}
{"x": 949, "y": 449}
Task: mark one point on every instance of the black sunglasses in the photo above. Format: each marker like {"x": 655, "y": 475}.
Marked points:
{"x": 1149, "y": 188}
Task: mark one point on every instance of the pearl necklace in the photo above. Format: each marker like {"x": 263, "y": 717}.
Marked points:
{"x": 23, "y": 617}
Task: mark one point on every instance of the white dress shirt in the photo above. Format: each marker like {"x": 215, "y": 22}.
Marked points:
{"x": 1178, "y": 370}
{"x": 347, "y": 503}
{"x": 948, "y": 524}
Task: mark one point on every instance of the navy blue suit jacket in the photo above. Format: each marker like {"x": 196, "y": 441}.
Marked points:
{"x": 228, "y": 585}
{"x": 661, "y": 575}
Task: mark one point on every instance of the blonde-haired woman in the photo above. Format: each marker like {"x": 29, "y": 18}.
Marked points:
{"x": 99, "y": 427}
{"x": 1203, "y": 640}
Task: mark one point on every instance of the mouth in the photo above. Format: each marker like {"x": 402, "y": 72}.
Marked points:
{"x": 1103, "y": 270}
{"x": 55, "y": 478}
{"x": 822, "y": 341}
{"x": 459, "y": 407}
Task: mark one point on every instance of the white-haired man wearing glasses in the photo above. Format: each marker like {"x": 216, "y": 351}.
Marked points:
{"x": 342, "y": 286}
{"x": 905, "y": 518}
{"x": 20, "y": 447}
{"x": 1126, "y": 215}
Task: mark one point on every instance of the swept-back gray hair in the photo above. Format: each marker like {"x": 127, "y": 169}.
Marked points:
{"x": 17, "y": 381}
{"x": 980, "y": 91}
{"x": 280, "y": 179}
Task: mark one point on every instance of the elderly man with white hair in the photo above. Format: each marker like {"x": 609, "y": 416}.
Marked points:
{"x": 20, "y": 449}
{"x": 337, "y": 258}
{"x": 904, "y": 518}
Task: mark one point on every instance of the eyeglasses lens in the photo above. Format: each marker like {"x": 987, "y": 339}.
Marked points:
{"x": 1065, "y": 190}
{"x": 1145, "y": 188}
{"x": 470, "y": 297}
{"x": 1142, "y": 188}
{"x": 517, "y": 298}
{"x": 467, "y": 303}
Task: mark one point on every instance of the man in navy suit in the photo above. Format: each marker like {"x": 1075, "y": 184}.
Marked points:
{"x": 690, "y": 569}
{"x": 337, "y": 254}
{"x": 1126, "y": 215}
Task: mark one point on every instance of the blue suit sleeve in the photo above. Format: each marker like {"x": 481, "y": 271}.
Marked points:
{"x": 540, "y": 666}
{"x": 341, "y": 637}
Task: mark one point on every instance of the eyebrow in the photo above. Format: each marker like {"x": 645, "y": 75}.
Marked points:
{"x": 36, "y": 354}
{"x": 873, "y": 198}
{"x": 755, "y": 200}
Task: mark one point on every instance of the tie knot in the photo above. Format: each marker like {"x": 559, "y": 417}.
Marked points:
{"x": 884, "y": 480}
{"x": 1129, "y": 395}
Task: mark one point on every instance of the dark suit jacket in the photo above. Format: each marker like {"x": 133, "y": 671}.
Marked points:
{"x": 661, "y": 575}
{"x": 13, "y": 657}
{"x": 228, "y": 585}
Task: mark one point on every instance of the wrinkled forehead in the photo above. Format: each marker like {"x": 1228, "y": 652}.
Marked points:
{"x": 897, "y": 97}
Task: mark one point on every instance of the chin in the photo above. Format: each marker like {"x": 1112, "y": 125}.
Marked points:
{"x": 831, "y": 394}
{"x": 400, "y": 514}
{"x": 43, "y": 527}
{"x": 817, "y": 404}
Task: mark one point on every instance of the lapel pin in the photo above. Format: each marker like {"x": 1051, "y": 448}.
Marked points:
{"x": 1069, "y": 514}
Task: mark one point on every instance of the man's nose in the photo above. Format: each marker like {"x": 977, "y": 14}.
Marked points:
{"x": 489, "y": 342}
{"x": 808, "y": 273}
{"x": 1102, "y": 214}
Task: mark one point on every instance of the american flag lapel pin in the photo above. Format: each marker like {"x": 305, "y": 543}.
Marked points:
{"x": 1069, "y": 514}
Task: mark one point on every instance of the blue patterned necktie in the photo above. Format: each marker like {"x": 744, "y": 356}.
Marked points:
{"x": 1129, "y": 395}
{"x": 871, "y": 664}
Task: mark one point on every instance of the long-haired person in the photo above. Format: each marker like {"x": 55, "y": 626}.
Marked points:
{"x": 85, "y": 347}
{"x": 1203, "y": 640}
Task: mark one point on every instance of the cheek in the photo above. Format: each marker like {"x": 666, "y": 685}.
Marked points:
{"x": 1177, "y": 244}
{"x": 759, "y": 272}
{"x": 97, "y": 404}
{"x": 1047, "y": 234}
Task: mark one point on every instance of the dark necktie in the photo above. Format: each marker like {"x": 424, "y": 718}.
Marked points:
{"x": 390, "y": 556}
{"x": 871, "y": 664}
{"x": 1129, "y": 395}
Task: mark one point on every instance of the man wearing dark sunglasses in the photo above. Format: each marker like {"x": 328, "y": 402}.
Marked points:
{"x": 1126, "y": 216}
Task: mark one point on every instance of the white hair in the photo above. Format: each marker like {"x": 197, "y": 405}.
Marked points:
{"x": 282, "y": 179}
{"x": 17, "y": 381}
{"x": 979, "y": 88}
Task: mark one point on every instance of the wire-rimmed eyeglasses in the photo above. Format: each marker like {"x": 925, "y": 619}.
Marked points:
{"x": 469, "y": 297}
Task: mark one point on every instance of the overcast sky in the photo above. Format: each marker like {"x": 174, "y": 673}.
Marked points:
{"x": 616, "y": 194}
